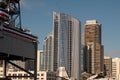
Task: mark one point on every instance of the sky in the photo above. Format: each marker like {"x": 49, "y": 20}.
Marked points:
{"x": 37, "y": 16}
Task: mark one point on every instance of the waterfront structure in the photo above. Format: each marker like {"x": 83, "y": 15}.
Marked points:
{"x": 108, "y": 66}
{"x": 67, "y": 43}
{"x": 93, "y": 48}
{"x": 48, "y": 52}
{"x": 116, "y": 68}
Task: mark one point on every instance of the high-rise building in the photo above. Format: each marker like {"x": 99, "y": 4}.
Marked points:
{"x": 116, "y": 68}
{"x": 48, "y": 52}
{"x": 40, "y": 58}
{"x": 67, "y": 43}
{"x": 93, "y": 48}
{"x": 108, "y": 66}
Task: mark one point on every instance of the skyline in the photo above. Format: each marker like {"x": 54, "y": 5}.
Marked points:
{"x": 106, "y": 13}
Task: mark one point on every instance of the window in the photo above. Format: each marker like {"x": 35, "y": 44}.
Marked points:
{"x": 14, "y": 75}
{"x": 42, "y": 74}
{"x": 26, "y": 75}
{"x": 1, "y": 74}
{"x": 20, "y": 75}
{"x": 9, "y": 74}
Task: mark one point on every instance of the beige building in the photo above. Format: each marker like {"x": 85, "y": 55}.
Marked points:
{"x": 93, "y": 49}
{"x": 108, "y": 66}
{"x": 116, "y": 68}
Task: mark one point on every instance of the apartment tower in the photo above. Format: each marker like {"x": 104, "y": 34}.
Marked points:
{"x": 108, "y": 66}
{"x": 67, "y": 43}
{"x": 40, "y": 58}
{"x": 93, "y": 49}
{"x": 48, "y": 52}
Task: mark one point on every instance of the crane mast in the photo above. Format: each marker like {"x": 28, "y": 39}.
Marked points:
{"x": 10, "y": 13}
{"x": 15, "y": 42}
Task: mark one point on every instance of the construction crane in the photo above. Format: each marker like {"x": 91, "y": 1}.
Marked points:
{"x": 15, "y": 43}
{"x": 10, "y": 13}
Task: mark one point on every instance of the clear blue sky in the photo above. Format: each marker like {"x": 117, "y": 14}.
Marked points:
{"x": 37, "y": 16}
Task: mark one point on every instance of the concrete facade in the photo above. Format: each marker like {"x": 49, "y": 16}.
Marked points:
{"x": 93, "y": 48}
{"x": 108, "y": 66}
{"x": 116, "y": 68}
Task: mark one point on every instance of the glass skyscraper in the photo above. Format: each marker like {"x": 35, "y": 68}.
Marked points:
{"x": 48, "y": 52}
{"x": 67, "y": 43}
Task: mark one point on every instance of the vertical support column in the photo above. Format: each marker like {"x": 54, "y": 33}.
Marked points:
{"x": 35, "y": 62}
{"x": 4, "y": 68}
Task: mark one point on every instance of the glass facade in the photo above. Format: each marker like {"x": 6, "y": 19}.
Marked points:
{"x": 48, "y": 52}
{"x": 67, "y": 43}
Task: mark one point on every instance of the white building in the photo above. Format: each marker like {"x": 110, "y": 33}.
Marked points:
{"x": 116, "y": 68}
{"x": 41, "y": 75}
{"x": 48, "y": 52}
{"x": 1, "y": 72}
{"x": 40, "y": 60}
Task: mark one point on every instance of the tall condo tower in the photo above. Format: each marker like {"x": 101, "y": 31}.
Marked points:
{"x": 67, "y": 43}
{"x": 93, "y": 49}
{"x": 48, "y": 52}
